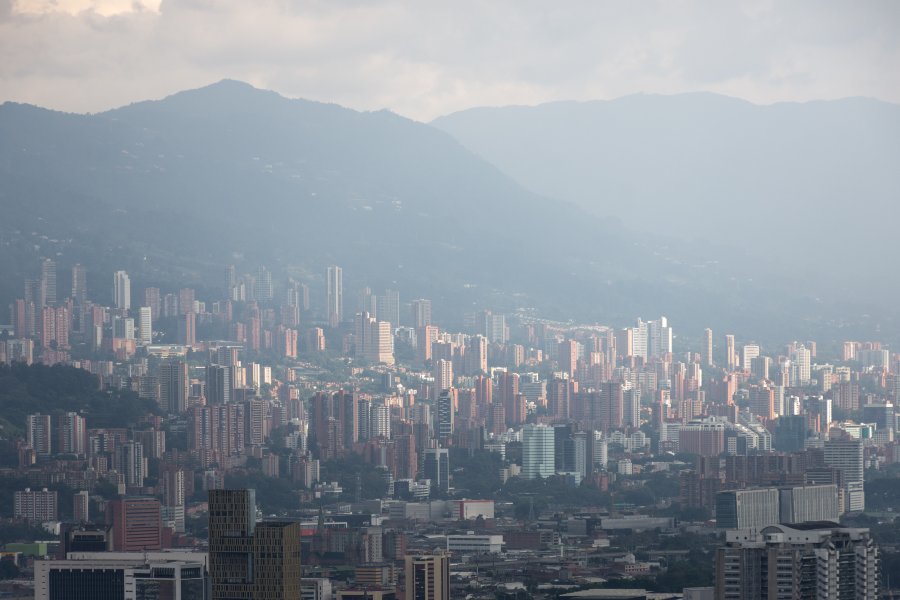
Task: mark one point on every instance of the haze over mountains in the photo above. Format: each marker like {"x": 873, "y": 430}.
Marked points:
{"x": 812, "y": 187}
{"x": 175, "y": 189}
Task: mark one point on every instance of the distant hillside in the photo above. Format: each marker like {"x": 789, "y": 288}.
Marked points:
{"x": 31, "y": 389}
{"x": 175, "y": 189}
{"x": 813, "y": 187}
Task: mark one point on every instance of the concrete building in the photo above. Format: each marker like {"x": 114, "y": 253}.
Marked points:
{"x": 427, "y": 577}
{"x": 810, "y": 560}
{"x": 115, "y": 576}
{"x": 259, "y": 561}
{"x": 471, "y": 543}
{"x": 36, "y": 505}
{"x": 538, "y": 451}
{"x": 847, "y": 456}
{"x": 807, "y": 503}
{"x": 335, "y": 295}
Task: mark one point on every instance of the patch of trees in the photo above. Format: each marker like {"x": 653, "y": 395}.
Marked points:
{"x": 28, "y": 389}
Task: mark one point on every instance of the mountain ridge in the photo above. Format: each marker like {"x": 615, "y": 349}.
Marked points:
{"x": 174, "y": 189}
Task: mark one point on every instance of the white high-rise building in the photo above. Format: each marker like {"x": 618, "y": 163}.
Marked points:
{"x": 802, "y": 371}
{"x": 659, "y": 338}
{"x": 335, "y": 297}
{"x": 145, "y": 326}
{"x": 708, "y": 347}
{"x": 380, "y": 421}
{"x": 538, "y": 451}
{"x": 374, "y": 339}
{"x": 847, "y": 456}
{"x": 132, "y": 464}
{"x": 639, "y": 339}
{"x": 443, "y": 374}
{"x": 750, "y": 352}
{"x": 39, "y": 434}
{"x": 121, "y": 290}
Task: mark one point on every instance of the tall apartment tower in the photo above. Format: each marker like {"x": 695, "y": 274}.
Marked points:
{"x": 389, "y": 307}
{"x": 79, "y": 284}
{"x": 443, "y": 416}
{"x": 174, "y": 386}
{"x": 48, "y": 283}
{"x": 847, "y": 456}
{"x": 708, "y": 347}
{"x": 335, "y": 295}
{"x": 421, "y": 312}
{"x": 121, "y": 290}
{"x": 250, "y": 560}
{"x": 436, "y": 467}
{"x": 443, "y": 374}
{"x": 136, "y": 524}
{"x": 809, "y": 560}
{"x": 428, "y": 577}
{"x": 538, "y": 451}
{"x": 218, "y": 384}
{"x": 145, "y": 326}
{"x": 39, "y": 434}
{"x": 730, "y": 354}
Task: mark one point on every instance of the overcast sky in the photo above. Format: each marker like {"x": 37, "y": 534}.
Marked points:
{"x": 423, "y": 59}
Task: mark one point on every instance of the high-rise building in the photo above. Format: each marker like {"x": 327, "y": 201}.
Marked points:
{"x": 48, "y": 282}
{"x": 335, "y": 295}
{"x": 427, "y": 577}
{"x": 187, "y": 329}
{"x": 759, "y": 367}
{"x": 443, "y": 374}
{"x": 436, "y": 467}
{"x": 421, "y": 313}
{"x": 250, "y": 560}
{"x": 730, "y": 354}
{"x": 218, "y": 384}
{"x": 846, "y": 455}
{"x": 39, "y": 434}
{"x": 659, "y": 338}
{"x": 739, "y": 509}
{"x": 174, "y": 387}
{"x": 801, "y": 366}
{"x": 807, "y": 503}
{"x": 145, "y": 326}
{"x": 703, "y": 438}
{"x": 71, "y": 434}
{"x": 81, "y": 507}
{"x": 748, "y": 353}
{"x": 538, "y": 451}
{"x": 121, "y": 290}
{"x": 814, "y": 560}
{"x": 136, "y": 524}
{"x": 476, "y": 355}
{"x": 443, "y": 416}
{"x": 389, "y": 308}
{"x": 263, "y": 291}
{"x": 568, "y": 357}
{"x": 131, "y": 463}
{"x": 374, "y": 339}
{"x": 36, "y": 505}
{"x": 79, "y": 284}
{"x": 708, "y": 347}
{"x": 152, "y": 299}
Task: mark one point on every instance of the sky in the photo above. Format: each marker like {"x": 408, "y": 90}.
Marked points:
{"x": 423, "y": 59}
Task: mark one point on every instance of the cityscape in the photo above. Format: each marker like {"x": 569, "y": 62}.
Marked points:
{"x": 287, "y": 439}
{"x": 404, "y": 300}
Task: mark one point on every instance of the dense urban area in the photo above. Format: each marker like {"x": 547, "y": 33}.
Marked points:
{"x": 280, "y": 438}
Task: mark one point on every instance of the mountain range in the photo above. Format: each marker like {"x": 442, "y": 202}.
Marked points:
{"x": 175, "y": 189}
{"x": 812, "y": 188}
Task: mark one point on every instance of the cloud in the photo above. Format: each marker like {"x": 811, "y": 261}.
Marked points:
{"x": 423, "y": 59}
